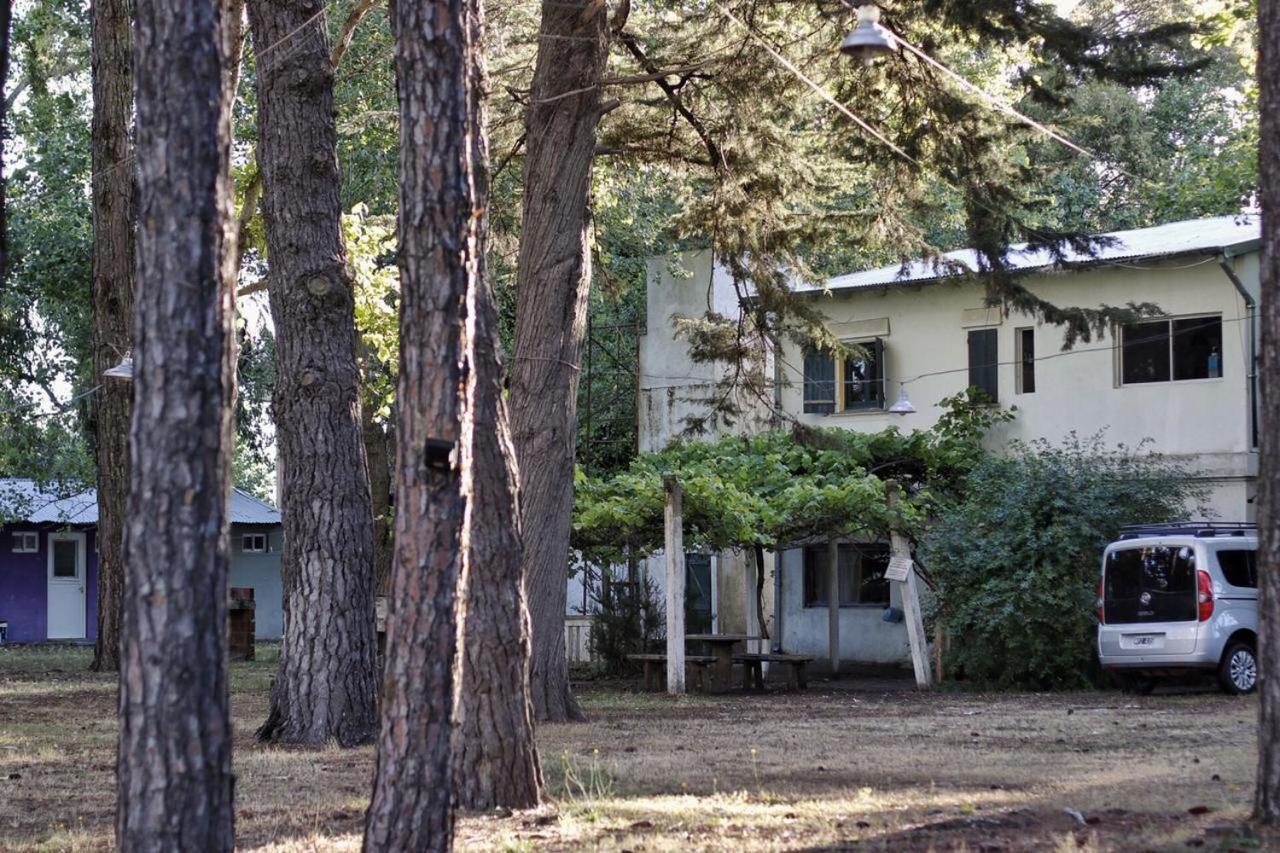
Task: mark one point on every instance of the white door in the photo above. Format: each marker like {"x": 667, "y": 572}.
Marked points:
{"x": 66, "y": 586}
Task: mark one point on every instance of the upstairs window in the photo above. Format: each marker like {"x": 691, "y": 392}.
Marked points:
{"x": 1171, "y": 350}
{"x": 26, "y": 542}
{"x": 253, "y": 543}
{"x": 854, "y": 383}
{"x": 1026, "y": 358}
{"x": 984, "y": 362}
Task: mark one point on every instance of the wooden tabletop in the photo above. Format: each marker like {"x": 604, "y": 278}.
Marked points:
{"x": 720, "y": 638}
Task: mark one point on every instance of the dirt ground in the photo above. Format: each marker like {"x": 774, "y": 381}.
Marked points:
{"x": 857, "y": 764}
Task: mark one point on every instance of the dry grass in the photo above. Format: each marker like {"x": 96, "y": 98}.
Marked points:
{"x": 867, "y": 765}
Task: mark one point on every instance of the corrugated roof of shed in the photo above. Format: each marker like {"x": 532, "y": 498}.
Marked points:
{"x": 37, "y": 505}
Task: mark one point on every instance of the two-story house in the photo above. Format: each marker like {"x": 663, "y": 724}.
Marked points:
{"x": 1185, "y": 382}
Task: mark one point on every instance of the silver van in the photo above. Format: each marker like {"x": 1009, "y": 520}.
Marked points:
{"x": 1180, "y": 597}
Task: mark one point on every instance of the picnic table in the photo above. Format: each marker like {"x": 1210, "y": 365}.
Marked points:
{"x": 721, "y": 646}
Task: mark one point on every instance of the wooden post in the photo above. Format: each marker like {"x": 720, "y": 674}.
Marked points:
{"x": 833, "y": 604}
{"x": 675, "y": 585}
{"x": 937, "y": 652}
{"x": 752, "y": 622}
{"x": 900, "y": 551}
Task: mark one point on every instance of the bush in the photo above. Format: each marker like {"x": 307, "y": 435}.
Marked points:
{"x": 629, "y": 619}
{"x": 1015, "y": 559}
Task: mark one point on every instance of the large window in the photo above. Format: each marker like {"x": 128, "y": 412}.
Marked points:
{"x": 1155, "y": 584}
{"x": 1171, "y": 350}
{"x": 855, "y": 383}
{"x": 984, "y": 362}
{"x": 862, "y": 579}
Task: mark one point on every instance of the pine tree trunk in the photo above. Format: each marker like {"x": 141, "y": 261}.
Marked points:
{"x": 113, "y": 270}
{"x": 6, "y": 27}
{"x": 495, "y": 757}
{"x": 412, "y": 807}
{"x": 174, "y": 759}
{"x": 326, "y": 685}
{"x": 1267, "y": 798}
{"x": 553, "y": 281}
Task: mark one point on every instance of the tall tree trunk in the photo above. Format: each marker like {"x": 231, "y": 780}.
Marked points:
{"x": 114, "y": 214}
{"x": 552, "y": 283}
{"x": 6, "y": 27}
{"x": 495, "y": 757}
{"x": 326, "y": 686}
{"x": 412, "y": 807}
{"x": 174, "y": 759}
{"x": 1267, "y": 799}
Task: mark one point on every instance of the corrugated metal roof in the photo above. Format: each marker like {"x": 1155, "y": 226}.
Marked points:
{"x": 34, "y": 505}
{"x": 1194, "y": 236}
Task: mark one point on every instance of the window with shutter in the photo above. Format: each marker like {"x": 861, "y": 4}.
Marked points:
{"x": 819, "y": 383}
{"x": 864, "y": 378}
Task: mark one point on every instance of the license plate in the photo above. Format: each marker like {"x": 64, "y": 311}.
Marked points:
{"x": 1142, "y": 642}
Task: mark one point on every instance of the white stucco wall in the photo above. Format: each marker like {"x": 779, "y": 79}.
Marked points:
{"x": 1205, "y": 420}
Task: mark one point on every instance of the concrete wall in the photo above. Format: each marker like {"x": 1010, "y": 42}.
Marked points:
{"x": 262, "y": 573}
{"x": 24, "y": 585}
{"x": 864, "y": 635}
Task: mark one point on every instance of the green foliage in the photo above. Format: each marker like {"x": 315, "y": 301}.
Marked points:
{"x": 1014, "y": 560}
{"x": 779, "y": 488}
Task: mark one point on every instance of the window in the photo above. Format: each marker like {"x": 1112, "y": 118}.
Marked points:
{"x": 862, "y": 579}
{"x": 819, "y": 383}
{"x": 984, "y": 362}
{"x": 1151, "y": 585}
{"x": 66, "y": 558}
{"x": 1025, "y": 342}
{"x": 26, "y": 542}
{"x": 254, "y": 543}
{"x": 855, "y": 383}
{"x": 1171, "y": 350}
{"x": 1240, "y": 567}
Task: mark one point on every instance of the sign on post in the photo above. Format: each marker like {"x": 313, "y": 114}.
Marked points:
{"x": 899, "y": 568}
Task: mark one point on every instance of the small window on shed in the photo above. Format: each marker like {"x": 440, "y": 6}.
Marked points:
{"x": 1240, "y": 567}
{"x": 26, "y": 542}
{"x": 253, "y": 543}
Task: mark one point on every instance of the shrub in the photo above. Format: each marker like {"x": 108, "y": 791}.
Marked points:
{"x": 1015, "y": 559}
{"x": 629, "y": 619}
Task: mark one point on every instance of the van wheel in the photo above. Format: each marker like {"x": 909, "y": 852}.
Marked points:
{"x": 1238, "y": 672}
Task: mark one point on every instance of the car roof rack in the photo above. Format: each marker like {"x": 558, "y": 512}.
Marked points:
{"x": 1201, "y": 529}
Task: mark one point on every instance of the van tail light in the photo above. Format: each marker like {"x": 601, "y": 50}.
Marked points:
{"x": 1102, "y": 616}
{"x": 1205, "y": 595}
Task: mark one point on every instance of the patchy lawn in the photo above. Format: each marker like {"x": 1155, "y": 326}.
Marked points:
{"x": 865, "y": 765}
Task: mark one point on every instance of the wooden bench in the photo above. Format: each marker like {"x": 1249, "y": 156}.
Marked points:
{"x": 753, "y": 672}
{"x": 655, "y": 669}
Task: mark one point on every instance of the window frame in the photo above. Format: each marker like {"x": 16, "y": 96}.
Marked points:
{"x": 1023, "y": 360}
{"x": 1169, "y": 335}
{"x": 245, "y": 548}
{"x": 21, "y": 536}
{"x": 993, "y": 332}
{"x": 875, "y": 348}
{"x": 856, "y": 575}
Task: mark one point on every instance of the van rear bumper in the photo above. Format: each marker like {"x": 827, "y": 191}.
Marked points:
{"x": 1153, "y": 662}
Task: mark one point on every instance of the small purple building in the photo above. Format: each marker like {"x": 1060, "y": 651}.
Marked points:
{"x": 49, "y": 562}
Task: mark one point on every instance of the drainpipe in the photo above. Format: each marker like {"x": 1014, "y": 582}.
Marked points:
{"x": 777, "y": 602}
{"x": 1251, "y": 308}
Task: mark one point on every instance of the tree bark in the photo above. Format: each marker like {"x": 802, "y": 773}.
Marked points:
{"x": 552, "y": 283}
{"x": 326, "y": 685}
{"x": 114, "y": 214}
{"x": 412, "y": 807}
{"x": 495, "y": 757}
{"x": 6, "y": 26}
{"x": 1267, "y": 797}
{"x": 174, "y": 759}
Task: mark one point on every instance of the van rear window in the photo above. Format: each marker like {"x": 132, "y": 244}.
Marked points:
{"x": 1150, "y": 585}
{"x": 1239, "y": 567}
